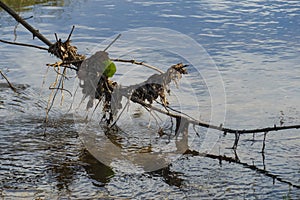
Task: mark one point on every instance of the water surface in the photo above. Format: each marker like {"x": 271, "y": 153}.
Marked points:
{"x": 254, "y": 44}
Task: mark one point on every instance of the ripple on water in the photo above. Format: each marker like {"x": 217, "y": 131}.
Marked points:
{"x": 43, "y": 163}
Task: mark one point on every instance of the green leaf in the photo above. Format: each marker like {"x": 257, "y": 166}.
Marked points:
{"x": 110, "y": 68}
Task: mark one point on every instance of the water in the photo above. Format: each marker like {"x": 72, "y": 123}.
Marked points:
{"x": 254, "y": 44}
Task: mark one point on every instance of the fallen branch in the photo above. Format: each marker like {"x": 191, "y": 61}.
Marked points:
{"x": 193, "y": 121}
{"x": 23, "y": 44}
{"x": 246, "y": 165}
{"x": 237, "y": 132}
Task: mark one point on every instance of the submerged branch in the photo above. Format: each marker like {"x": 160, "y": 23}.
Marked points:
{"x": 246, "y": 165}
{"x": 96, "y": 85}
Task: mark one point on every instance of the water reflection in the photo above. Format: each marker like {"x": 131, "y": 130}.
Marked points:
{"x": 172, "y": 178}
{"x": 95, "y": 169}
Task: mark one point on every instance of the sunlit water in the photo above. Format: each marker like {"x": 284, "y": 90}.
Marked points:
{"x": 254, "y": 44}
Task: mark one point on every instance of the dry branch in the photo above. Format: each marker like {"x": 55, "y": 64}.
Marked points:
{"x": 212, "y": 126}
{"x": 246, "y": 165}
{"x": 35, "y": 32}
{"x": 62, "y": 50}
{"x": 138, "y": 63}
{"x": 23, "y": 44}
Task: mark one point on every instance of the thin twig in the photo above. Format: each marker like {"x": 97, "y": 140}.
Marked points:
{"x": 63, "y": 75}
{"x": 236, "y": 140}
{"x": 51, "y": 103}
{"x": 23, "y": 44}
{"x": 69, "y": 37}
{"x": 62, "y": 89}
{"x": 264, "y": 143}
{"x": 71, "y": 105}
{"x": 35, "y": 32}
{"x": 9, "y": 84}
{"x": 138, "y": 63}
{"x": 63, "y": 64}
{"x": 118, "y": 117}
{"x": 56, "y": 37}
{"x": 112, "y": 42}
{"x": 15, "y": 31}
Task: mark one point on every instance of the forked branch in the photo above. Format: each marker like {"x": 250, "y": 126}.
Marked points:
{"x": 19, "y": 19}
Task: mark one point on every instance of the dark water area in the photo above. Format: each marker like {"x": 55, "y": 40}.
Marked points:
{"x": 254, "y": 46}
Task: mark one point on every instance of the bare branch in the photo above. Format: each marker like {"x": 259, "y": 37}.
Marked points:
{"x": 112, "y": 42}
{"x": 212, "y": 126}
{"x": 62, "y": 89}
{"x": 23, "y": 44}
{"x": 138, "y": 63}
{"x": 35, "y": 32}
{"x": 69, "y": 37}
{"x": 246, "y": 165}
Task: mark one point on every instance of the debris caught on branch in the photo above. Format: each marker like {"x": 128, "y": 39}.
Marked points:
{"x": 66, "y": 52}
{"x": 154, "y": 87}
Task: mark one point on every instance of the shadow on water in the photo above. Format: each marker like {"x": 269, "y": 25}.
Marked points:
{"x": 172, "y": 178}
{"x": 67, "y": 159}
{"x": 39, "y": 162}
{"x": 35, "y": 161}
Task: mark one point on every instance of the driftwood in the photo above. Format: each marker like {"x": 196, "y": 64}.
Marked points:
{"x": 144, "y": 93}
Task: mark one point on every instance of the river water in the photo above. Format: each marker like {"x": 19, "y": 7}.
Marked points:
{"x": 247, "y": 76}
